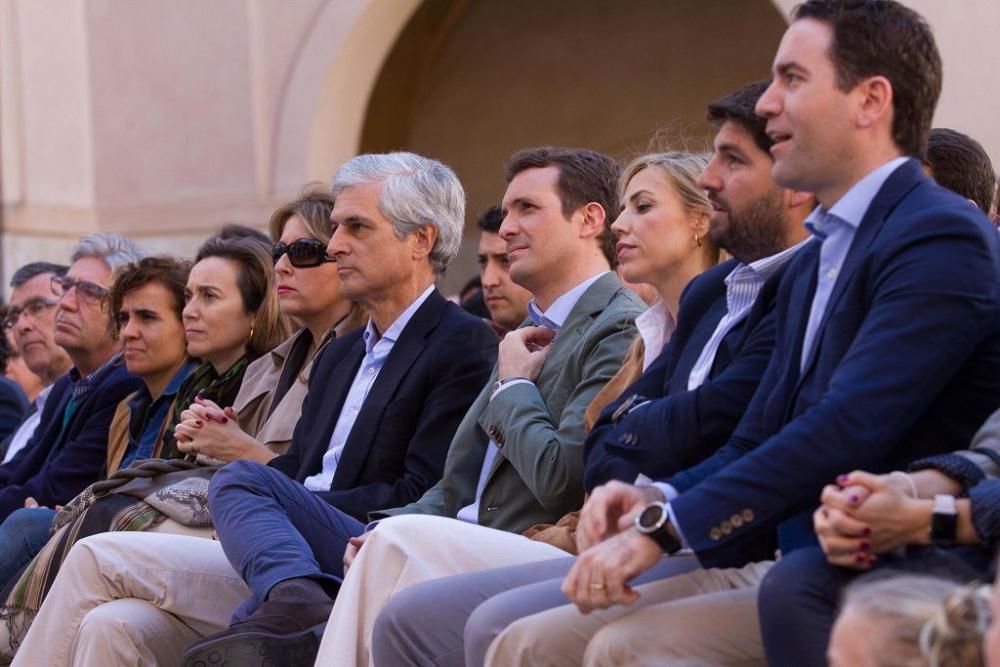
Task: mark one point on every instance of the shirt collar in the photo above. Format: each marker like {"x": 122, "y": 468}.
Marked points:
{"x": 851, "y": 208}
{"x": 765, "y": 267}
{"x": 555, "y": 316}
{"x": 83, "y": 385}
{"x": 392, "y": 334}
{"x": 43, "y": 396}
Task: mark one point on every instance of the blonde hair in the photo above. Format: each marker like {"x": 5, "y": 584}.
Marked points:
{"x": 924, "y": 621}
{"x": 313, "y": 206}
{"x": 682, "y": 170}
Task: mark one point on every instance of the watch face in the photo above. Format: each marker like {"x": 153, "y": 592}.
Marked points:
{"x": 650, "y": 517}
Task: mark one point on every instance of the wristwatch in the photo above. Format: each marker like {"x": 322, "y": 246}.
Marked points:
{"x": 944, "y": 521}
{"x": 654, "y": 521}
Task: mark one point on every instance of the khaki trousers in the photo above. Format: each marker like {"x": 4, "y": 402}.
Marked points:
{"x": 704, "y": 617}
{"x": 133, "y": 599}
{"x": 407, "y": 550}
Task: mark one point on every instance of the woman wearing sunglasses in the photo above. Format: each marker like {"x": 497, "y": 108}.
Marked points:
{"x": 270, "y": 399}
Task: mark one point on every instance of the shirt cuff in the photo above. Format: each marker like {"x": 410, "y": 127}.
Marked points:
{"x": 507, "y": 385}
{"x": 677, "y": 526}
{"x": 668, "y": 491}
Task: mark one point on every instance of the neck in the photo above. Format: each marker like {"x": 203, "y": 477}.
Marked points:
{"x": 672, "y": 284}
{"x": 88, "y": 361}
{"x": 157, "y": 383}
{"x": 387, "y": 309}
{"x": 864, "y": 165}
{"x": 224, "y": 361}
{"x": 319, "y": 324}
{"x": 547, "y": 293}
{"x": 56, "y": 371}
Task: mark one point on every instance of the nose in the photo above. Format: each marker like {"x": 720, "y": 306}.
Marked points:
{"x": 129, "y": 330}
{"x": 709, "y": 178}
{"x": 620, "y": 225}
{"x": 336, "y": 246}
{"x": 490, "y": 274}
{"x": 190, "y": 311}
{"x": 283, "y": 266}
{"x": 769, "y": 104}
{"x": 508, "y": 228}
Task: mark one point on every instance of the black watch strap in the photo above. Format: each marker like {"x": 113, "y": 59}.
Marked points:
{"x": 944, "y": 521}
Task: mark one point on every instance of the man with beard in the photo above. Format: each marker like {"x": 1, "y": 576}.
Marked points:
{"x": 682, "y": 408}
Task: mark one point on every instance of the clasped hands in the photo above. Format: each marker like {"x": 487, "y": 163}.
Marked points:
{"x": 612, "y": 551}
{"x": 206, "y": 428}
{"x": 864, "y": 515}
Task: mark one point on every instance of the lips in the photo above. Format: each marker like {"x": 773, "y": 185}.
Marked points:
{"x": 193, "y": 332}
{"x": 623, "y": 249}
{"x": 284, "y": 289}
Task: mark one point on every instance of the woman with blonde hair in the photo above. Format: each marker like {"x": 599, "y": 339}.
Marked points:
{"x": 910, "y": 621}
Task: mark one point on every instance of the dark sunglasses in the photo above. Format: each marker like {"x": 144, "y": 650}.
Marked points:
{"x": 302, "y": 254}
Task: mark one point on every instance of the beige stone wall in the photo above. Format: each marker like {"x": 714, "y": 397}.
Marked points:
{"x": 164, "y": 119}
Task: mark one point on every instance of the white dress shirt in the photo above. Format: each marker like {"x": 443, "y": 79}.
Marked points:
{"x": 27, "y": 428}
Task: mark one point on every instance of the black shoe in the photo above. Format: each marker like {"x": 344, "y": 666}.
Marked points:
{"x": 279, "y": 634}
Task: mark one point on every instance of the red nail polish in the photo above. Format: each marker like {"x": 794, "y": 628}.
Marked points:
{"x": 860, "y": 558}
{"x": 199, "y": 423}
{"x": 841, "y": 479}
{"x": 854, "y": 499}
{"x": 865, "y": 544}
{"x": 866, "y": 531}
{"x": 225, "y": 419}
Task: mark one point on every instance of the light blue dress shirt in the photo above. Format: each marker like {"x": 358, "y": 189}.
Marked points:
{"x": 377, "y": 349}
{"x": 835, "y": 228}
{"x": 743, "y": 284}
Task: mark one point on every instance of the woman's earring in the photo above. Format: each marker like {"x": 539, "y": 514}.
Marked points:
{"x": 697, "y": 240}
{"x": 251, "y": 329}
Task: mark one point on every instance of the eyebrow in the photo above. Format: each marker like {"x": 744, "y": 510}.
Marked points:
{"x": 354, "y": 217}
{"x": 639, "y": 193}
{"x": 518, "y": 201}
{"x": 730, "y": 148}
{"x": 786, "y": 68}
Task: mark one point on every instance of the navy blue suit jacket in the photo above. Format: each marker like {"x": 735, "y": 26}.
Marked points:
{"x": 54, "y": 470}
{"x": 398, "y": 444}
{"x": 906, "y": 364}
{"x": 680, "y": 427}
{"x": 13, "y": 408}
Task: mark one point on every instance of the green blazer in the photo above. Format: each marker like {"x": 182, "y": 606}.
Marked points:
{"x": 537, "y": 475}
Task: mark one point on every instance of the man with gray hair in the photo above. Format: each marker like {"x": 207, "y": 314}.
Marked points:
{"x": 30, "y": 323}
{"x": 68, "y": 450}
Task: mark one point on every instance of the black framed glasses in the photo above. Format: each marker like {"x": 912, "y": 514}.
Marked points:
{"x": 302, "y": 254}
{"x": 33, "y": 307}
{"x": 84, "y": 288}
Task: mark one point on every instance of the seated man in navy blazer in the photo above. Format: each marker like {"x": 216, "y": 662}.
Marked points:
{"x": 888, "y": 350}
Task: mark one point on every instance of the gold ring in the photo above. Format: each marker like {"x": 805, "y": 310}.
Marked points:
{"x": 596, "y": 585}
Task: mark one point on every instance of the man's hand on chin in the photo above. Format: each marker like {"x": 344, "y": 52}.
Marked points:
{"x": 599, "y": 578}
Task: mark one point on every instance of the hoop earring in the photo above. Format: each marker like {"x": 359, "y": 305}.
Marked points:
{"x": 697, "y": 240}
{"x": 251, "y": 332}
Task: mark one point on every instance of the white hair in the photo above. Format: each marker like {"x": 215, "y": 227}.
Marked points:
{"x": 113, "y": 250}
{"x": 416, "y": 191}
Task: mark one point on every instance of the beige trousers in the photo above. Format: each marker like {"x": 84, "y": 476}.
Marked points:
{"x": 133, "y": 599}
{"x": 407, "y": 550}
{"x": 704, "y": 617}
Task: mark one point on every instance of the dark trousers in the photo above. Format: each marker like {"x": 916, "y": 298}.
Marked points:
{"x": 800, "y": 596}
{"x": 273, "y": 529}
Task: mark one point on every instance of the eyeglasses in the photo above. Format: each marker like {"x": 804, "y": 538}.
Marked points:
{"x": 302, "y": 254}
{"x": 33, "y": 307}
{"x": 88, "y": 290}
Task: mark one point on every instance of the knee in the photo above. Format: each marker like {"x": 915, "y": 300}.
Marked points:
{"x": 399, "y": 621}
{"x": 239, "y": 475}
{"x": 608, "y": 647}
{"x": 793, "y": 580}
{"x": 404, "y": 530}
{"x": 27, "y": 522}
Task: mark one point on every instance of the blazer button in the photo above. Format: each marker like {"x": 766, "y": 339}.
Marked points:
{"x": 726, "y": 527}
{"x": 715, "y": 534}
{"x": 748, "y": 515}
{"x": 736, "y": 520}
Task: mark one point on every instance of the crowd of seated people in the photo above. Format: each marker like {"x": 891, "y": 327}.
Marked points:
{"x": 728, "y": 408}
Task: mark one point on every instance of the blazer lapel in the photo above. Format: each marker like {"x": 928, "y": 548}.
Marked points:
{"x": 405, "y": 351}
{"x": 899, "y": 183}
{"x": 334, "y": 394}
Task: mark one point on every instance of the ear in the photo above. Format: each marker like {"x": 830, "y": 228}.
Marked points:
{"x": 875, "y": 101}
{"x": 699, "y": 224}
{"x": 422, "y": 241}
{"x": 594, "y": 217}
{"x": 797, "y": 199}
